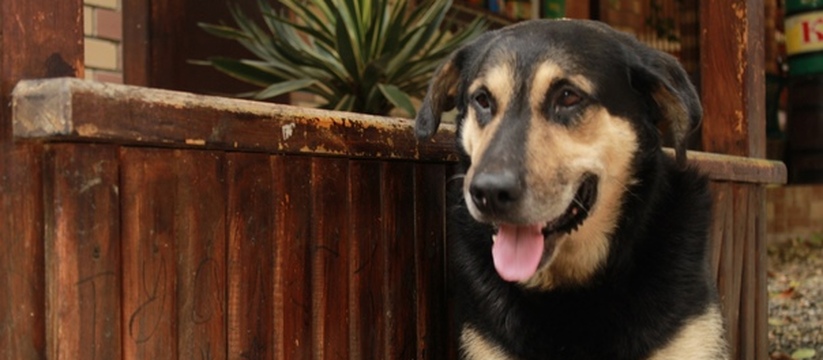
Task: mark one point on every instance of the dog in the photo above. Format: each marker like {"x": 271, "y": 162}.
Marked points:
{"x": 573, "y": 234}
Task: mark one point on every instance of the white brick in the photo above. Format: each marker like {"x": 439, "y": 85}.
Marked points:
{"x": 101, "y": 54}
{"x": 88, "y": 20}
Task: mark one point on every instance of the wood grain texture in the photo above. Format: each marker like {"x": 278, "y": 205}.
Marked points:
{"x": 399, "y": 295}
{"x": 732, "y": 77}
{"x": 165, "y": 118}
{"x": 367, "y": 263}
{"x": 329, "y": 257}
{"x": 430, "y": 260}
{"x": 82, "y": 252}
{"x": 38, "y": 39}
{"x": 174, "y": 261}
{"x": 200, "y": 244}
{"x": 149, "y": 187}
{"x": 251, "y": 255}
{"x": 292, "y": 283}
{"x": 22, "y": 276}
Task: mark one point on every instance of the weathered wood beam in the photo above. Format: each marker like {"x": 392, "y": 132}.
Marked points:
{"x": 76, "y": 110}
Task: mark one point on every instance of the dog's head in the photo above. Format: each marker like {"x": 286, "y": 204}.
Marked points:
{"x": 553, "y": 118}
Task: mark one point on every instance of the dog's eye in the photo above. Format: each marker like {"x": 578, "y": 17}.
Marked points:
{"x": 568, "y": 98}
{"x": 482, "y": 100}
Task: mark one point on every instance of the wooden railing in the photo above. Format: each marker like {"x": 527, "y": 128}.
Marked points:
{"x": 180, "y": 226}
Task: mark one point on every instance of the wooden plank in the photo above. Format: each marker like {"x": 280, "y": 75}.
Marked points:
{"x": 761, "y": 293}
{"x": 82, "y": 252}
{"x": 749, "y": 286}
{"x": 102, "y": 112}
{"x": 174, "y": 246}
{"x": 399, "y": 297}
{"x": 724, "y": 236}
{"x": 732, "y": 78}
{"x": 200, "y": 244}
{"x": 251, "y": 251}
{"x": 22, "y": 277}
{"x": 293, "y": 227}
{"x": 738, "y": 260}
{"x": 148, "y": 191}
{"x": 136, "y": 41}
{"x": 430, "y": 260}
{"x": 329, "y": 256}
{"x": 722, "y": 213}
{"x": 736, "y": 168}
{"x": 367, "y": 264}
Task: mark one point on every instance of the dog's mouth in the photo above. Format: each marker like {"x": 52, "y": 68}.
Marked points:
{"x": 519, "y": 250}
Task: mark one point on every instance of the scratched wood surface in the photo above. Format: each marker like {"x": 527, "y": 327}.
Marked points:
{"x": 737, "y": 259}
{"x": 82, "y": 248}
{"x": 38, "y": 39}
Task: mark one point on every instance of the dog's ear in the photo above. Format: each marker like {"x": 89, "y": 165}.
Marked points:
{"x": 440, "y": 97}
{"x": 673, "y": 94}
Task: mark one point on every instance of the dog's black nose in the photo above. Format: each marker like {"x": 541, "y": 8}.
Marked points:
{"x": 495, "y": 192}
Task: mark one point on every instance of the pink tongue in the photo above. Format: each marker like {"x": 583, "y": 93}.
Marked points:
{"x": 517, "y": 251}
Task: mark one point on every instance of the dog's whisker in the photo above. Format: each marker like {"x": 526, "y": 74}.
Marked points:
{"x": 580, "y": 204}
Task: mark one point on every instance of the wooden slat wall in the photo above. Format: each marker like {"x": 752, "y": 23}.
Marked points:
{"x": 235, "y": 255}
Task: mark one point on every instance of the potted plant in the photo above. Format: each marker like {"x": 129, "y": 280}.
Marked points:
{"x": 356, "y": 55}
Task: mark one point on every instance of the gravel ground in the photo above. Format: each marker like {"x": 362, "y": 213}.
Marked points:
{"x": 796, "y": 299}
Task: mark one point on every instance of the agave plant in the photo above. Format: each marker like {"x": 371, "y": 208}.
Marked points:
{"x": 356, "y": 55}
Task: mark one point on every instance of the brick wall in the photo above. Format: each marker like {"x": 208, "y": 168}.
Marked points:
{"x": 794, "y": 211}
{"x": 103, "y": 29}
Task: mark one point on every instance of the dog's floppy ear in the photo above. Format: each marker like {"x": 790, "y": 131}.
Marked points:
{"x": 674, "y": 95}
{"x": 440, "y": 98}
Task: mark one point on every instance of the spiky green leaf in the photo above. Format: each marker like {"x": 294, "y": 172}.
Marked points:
{"x": 398, "y": 98}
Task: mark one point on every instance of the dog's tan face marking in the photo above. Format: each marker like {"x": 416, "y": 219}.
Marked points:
{"x": 557, "y": 157}
{"x": 499, "y": 82}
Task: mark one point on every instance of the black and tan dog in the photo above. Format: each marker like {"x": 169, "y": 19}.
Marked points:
{"x": 574, "y": 235}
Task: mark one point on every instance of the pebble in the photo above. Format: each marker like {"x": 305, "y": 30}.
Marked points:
{"x": 795, "y": 296}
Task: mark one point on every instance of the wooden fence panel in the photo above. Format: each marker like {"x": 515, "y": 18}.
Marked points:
{"x": 329, "y": 243}
{"x": 149, "y": 316}
{"x": 293, "y": 306}
{"x": 367, "y": 266}
{"x": 22, "y": 280}
{"x": 82, "y": 252}
{"x": 398, "y": 235}
{"x": 173, "y": 254}
{"x": 430, "y": 261}
{"x": 251, "y": 254}
{"x": 200, "y": 244}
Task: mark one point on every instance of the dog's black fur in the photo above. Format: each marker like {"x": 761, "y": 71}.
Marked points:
{"x": 655, "y": 277}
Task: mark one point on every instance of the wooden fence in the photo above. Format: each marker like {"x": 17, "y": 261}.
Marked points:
{"x": 187, "y": 226}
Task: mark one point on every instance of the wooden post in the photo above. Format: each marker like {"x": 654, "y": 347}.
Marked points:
{"x": 733, "y": 77}
{"x": 734, "y": 98}
{"x": 37, "y": 39}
